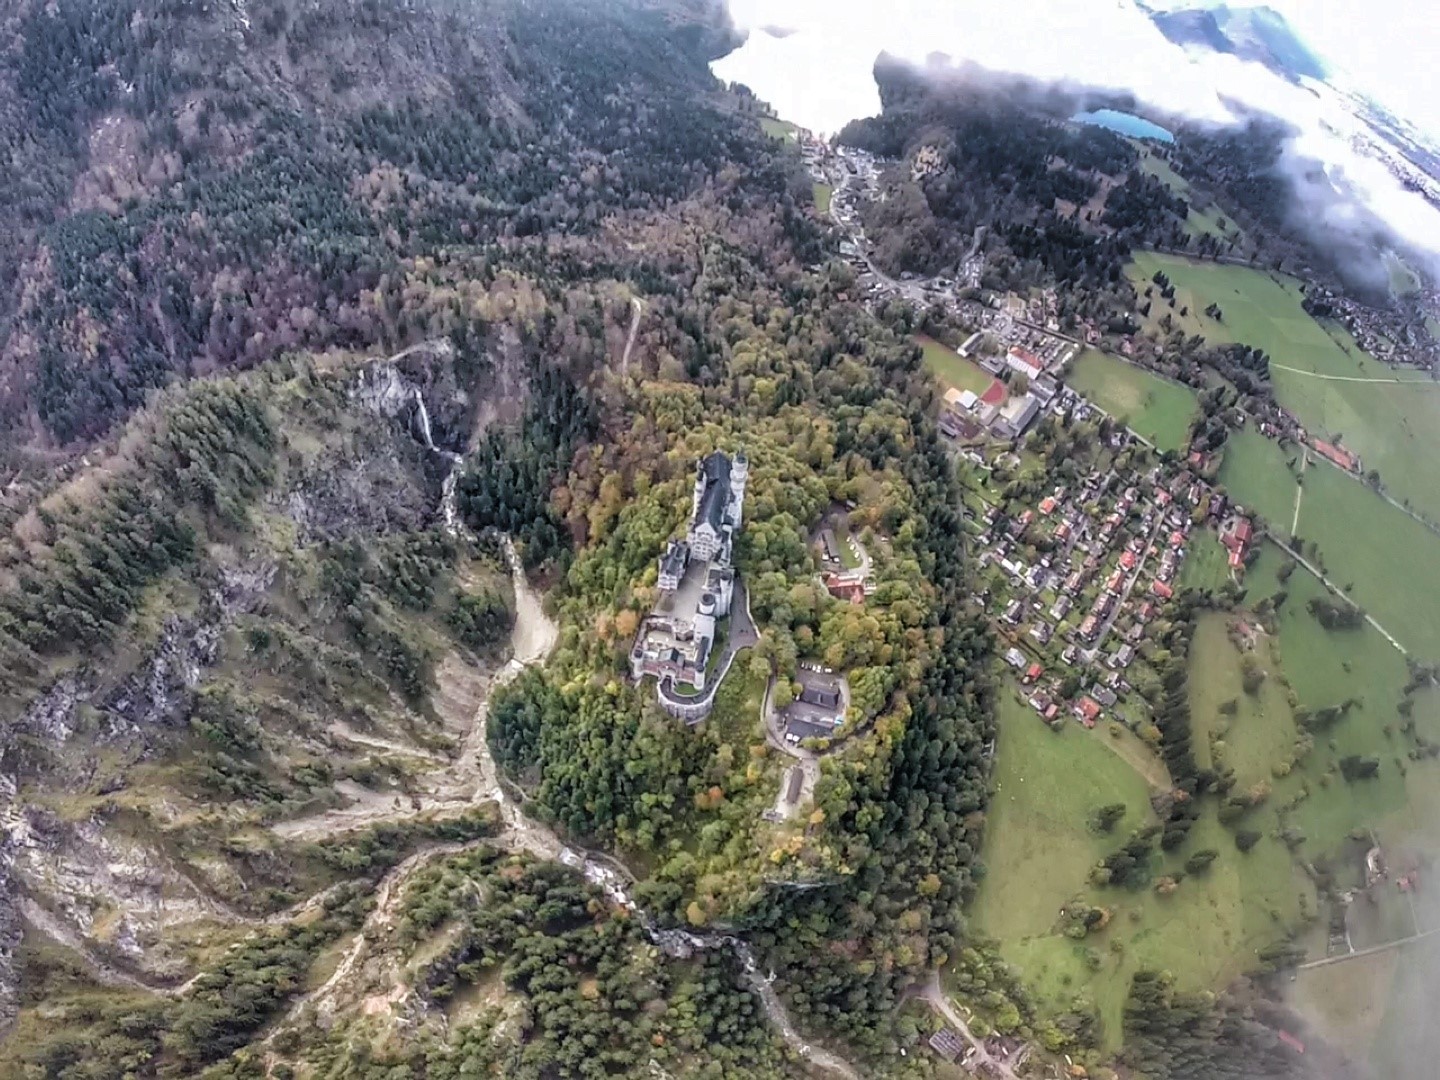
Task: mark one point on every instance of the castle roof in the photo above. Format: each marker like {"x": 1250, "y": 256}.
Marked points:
{"x": 715, "y": 471}
{"x": 677, "y": 554}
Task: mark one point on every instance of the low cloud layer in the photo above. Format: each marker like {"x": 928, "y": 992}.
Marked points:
{"x": 819, "y": 74}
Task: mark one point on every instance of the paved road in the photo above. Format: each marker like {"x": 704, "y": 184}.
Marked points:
{"x": 1400, "y": 944}
{"x": 1124, "y": 599}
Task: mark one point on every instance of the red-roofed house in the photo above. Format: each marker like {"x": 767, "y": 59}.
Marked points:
{"x": 1346, "y": 460}
{"x": 1177, "y": 538}
{"x": 1087, "y": 710}
{"x": 1235, "y": 534}
{"x": 1127, "y": 560}
{"x": 1033, "y": 672}
{"x": 1024, "y": 362}
{"x": 1047, "y": 505}
{"x": 845, "y": 587}
{"x": 1163, "y": 591}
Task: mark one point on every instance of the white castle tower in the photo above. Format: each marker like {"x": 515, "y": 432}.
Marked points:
{"x": 739, "y": 474}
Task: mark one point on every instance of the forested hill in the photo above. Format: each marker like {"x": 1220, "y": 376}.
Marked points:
{"x": 193, "y": 187}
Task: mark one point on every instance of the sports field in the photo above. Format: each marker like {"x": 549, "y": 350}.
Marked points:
{"x": 951, "y": 368}
{"x": 822, "y": 193}
{"x": 1390, "y": 418}
{"x": 1159, "y": 410}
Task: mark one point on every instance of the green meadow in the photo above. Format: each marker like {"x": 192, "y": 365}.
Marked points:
{"x": 1046, "y": 787}
{"x": 1207, "y": 563}
{"x": 1390, "y": 418}
{"x": 1257, "y": 473}
{"x": 778, "y": 129}
{"x": 1204, "y": 220}
{"x": 951, "y": 368}
{"x": 1158, "y": 409}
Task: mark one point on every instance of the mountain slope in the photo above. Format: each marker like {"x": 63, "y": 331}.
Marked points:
{"x": 1258, "y": 34}
{"x": 204, "y": 187}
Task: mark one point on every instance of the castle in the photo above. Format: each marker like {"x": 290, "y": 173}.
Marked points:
{"x": 697, "y": 586}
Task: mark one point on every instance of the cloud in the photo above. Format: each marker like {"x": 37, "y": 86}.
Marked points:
{"x": 820, "y": 76}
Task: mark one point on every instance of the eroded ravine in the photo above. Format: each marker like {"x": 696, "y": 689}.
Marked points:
{"x": 472, "y": 778}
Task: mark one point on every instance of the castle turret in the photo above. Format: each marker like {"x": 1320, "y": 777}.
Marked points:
{"x": 739, "y": 474}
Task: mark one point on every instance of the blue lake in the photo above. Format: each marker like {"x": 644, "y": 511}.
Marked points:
{"x": 1125, "y": 123}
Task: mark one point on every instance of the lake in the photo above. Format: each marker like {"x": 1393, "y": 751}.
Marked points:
{"x": 1125, "y": 123}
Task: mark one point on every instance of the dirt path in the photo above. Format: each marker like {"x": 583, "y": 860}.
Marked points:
{"x": 458, "y": 786}
{"x": 1150, "y": 769}
{"x": 473, "y": 777}
{"x": 1386, "y": 947}
{"x": 1315, "y": 570}
{"x": 1299, "y": 492}
{"x": 935, "y": 995}
{"x": 1353, "y": 378}
{"x": 634, "y": 329}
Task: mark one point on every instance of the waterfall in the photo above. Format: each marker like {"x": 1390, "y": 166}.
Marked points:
{"x": 424, "y": 420}
{"x": 447, "y": 487}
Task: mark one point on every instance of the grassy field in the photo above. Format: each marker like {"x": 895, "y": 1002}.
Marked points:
{"x": 1386, "y": 555}
{"x": 1200, "y": 221}
{"x": 1326, "y": 668}
{"x": 1047, "y": 786}
{"x": 1393, "y": 425}
{"x": 1161, "y": 169}
{"x": 778, "y": 129}
{"x": 1403, "y": 280}
{"x": 1369, "y": 1004}
{"x": 951, "y": 368}
{"x": 1259, "y": 731}
{"x": 822, "y": 193}
{"x": 1206, "y": 563}
{"x": 1256, "y": 472}
{"x": 1159, "y": 410}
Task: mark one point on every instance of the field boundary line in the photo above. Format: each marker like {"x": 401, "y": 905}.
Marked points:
{"x": 1399, "y": 943}
{"x": 1308, "y": 565}
{"x": 1352, "y": 378}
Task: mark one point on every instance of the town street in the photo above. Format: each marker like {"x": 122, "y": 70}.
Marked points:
{"x": 1094, "y": 650}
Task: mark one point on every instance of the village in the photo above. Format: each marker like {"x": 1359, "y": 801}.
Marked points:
{"x": 1073, "y": 580}
{"x": 1077, "y": 575}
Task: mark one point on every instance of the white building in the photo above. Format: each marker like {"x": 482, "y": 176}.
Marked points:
{"x": 716, "y": 511}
